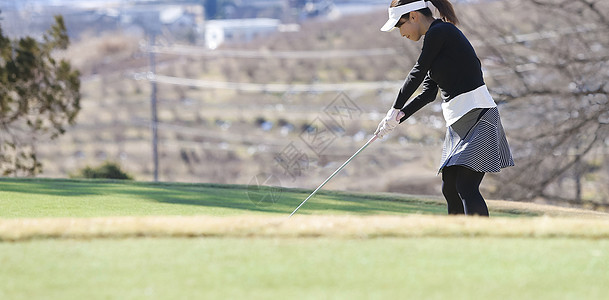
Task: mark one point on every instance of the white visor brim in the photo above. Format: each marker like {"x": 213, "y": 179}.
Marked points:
{"x": 395, "y": 13}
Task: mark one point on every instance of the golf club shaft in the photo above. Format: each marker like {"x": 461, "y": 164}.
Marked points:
{"x": 335, "y": 172}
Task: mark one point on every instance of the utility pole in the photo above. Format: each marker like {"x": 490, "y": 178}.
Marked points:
{"x": 153, "y": 108}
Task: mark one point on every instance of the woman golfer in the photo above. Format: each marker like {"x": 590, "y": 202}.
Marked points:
{"x": 475, "y": 141}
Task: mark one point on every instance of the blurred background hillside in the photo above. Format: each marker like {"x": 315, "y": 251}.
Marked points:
{"x": 291, "y": 89}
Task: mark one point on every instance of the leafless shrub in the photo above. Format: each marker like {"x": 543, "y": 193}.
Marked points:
{"x": 548, "y": 63}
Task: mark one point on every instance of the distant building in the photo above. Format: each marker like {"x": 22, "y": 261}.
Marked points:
{"x": 173, "y": 22}
{"x": 218, "y": 32}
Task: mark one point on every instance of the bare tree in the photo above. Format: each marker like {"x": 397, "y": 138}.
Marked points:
{"x": 548, "y": 66}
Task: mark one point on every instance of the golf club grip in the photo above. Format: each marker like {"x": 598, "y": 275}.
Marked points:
{"x": 372, "y": 139}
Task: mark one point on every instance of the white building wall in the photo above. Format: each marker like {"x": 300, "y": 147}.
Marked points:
{"x": 218, "y": 32}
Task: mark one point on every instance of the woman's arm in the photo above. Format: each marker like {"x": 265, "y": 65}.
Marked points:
{"x": 428, "y": 95}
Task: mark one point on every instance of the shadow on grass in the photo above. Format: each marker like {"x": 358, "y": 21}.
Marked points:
{"x": 209, "y": 195}
{"x": 236, "y": 197}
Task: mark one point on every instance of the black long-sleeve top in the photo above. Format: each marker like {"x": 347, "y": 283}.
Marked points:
{"x": 447, "y": 61}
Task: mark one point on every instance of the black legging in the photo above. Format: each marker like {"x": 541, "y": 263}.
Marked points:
{"x": 460, "y": 187}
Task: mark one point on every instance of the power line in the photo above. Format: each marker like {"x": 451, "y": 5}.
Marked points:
{"x": 314, "y": 54}
{"x": 271, "y": 87}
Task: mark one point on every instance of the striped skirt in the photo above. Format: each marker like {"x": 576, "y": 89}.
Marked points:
{"x": 477, "y": 141}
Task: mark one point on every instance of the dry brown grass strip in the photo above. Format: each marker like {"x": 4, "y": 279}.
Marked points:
{"x": 543, "y": 209}
{"x": 302, "y": 226}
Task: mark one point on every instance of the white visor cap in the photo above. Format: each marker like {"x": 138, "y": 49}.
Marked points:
{"x": 395, "y": 13}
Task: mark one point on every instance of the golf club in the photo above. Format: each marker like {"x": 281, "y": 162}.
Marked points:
{"x": 335, "y": 172}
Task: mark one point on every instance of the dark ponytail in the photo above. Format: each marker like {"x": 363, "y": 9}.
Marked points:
{"x": 447, "y": 13}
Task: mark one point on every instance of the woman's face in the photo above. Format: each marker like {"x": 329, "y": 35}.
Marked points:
{"x": 409, "y": 28}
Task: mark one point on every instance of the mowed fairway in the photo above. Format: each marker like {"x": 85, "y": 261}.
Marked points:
{"x": 317, "y": 268}
{"x": 63, "y": 239}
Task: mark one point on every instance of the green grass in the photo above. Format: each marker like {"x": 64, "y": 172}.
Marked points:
{"x": 35, "y": 198}
{"x": 416, "y": 268}
{"x": 79, "y": 239}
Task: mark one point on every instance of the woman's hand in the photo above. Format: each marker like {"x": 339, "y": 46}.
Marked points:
{"x": 391, "y": 120}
